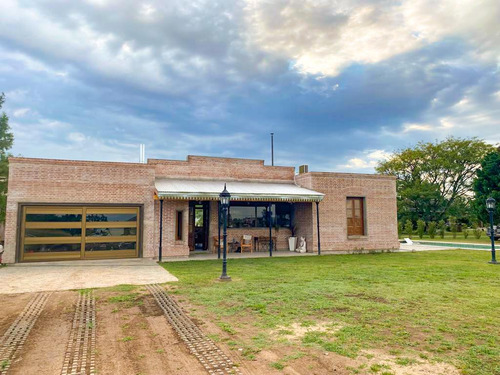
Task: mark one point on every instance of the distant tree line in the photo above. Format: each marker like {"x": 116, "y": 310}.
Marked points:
{"x": 443, "y": 185}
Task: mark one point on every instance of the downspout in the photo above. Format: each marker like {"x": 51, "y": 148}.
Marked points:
{"x": 317, "y": 224}
{"x": 218, "y": 224}
{"x": 270, "y": 230}
{"x": 161, "y": 229}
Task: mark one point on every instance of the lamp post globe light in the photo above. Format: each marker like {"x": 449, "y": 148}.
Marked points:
{"x": 224, "y": 197}
{"x": 490, "y": 206}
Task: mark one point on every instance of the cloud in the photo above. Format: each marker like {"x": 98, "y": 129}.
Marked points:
{"x": 366, "y": 161}
{"x": 324, "y": 37}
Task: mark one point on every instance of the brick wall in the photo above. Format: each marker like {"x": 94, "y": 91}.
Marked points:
{"x": 63, "y": 181}
{"x": 170, "y": 246}
{"x": 220, "y": 168}
{"x": 380, "y": 210}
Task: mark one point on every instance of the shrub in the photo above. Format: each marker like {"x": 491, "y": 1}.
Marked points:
{"x": 466, "y": 232}
{"x": 409, "y": 228}
{"x": 400, "y": 228}
{"x": 453, "y": 226}
{"x": 476, "y": 231}
{"x": 441, "y": 228}
{"x": 431, "y": 229}
{"x": 420, "y": 228}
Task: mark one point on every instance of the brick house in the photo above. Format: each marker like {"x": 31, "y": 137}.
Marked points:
{"x": 64, "y": 209}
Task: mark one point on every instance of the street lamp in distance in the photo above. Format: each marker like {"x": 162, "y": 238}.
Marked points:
{"x": 224, "y": 198}
{"x": 490, "y": 206}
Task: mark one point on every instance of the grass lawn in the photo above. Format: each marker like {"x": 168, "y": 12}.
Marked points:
{"x": 439, "y": 306}
{"x": 448, "y": 237}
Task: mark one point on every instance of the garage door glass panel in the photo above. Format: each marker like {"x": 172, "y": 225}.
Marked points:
{"x": 106, "y": 246}
{"x": 112, "y": 217}
{"x": 51, "y": 248}
{"x": 61, "y": 232}
{"x": 53, "y": 217}
{"x": 96, "y": 232}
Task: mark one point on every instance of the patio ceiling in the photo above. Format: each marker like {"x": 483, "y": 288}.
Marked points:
{"x": 179, "y": 189}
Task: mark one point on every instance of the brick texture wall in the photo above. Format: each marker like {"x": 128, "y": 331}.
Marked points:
{"x": 380, "y": 210}
{"x": 220, "y": 168}
{"x": 62, "y": 181}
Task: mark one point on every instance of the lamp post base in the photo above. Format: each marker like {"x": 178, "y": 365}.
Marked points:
{"x": 493, "y": 262}
{"x": 225, "y": 278}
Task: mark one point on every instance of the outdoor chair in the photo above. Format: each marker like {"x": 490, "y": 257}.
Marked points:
{"x": 215, "y": 246}
{"x": 246, "y": 243}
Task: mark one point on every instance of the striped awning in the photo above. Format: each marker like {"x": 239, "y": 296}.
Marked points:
{"x": 179, "y": 189}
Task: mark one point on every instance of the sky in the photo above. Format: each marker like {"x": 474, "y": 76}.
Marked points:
{"x": 341, "y": 84}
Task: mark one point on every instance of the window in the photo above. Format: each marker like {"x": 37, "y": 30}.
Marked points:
{"x": 355, "y": 217}
{"x": 178, "y": 226}
{"x": 254, "y": 215}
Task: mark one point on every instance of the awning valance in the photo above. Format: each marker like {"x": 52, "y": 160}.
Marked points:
{"x": 179, "y": 189}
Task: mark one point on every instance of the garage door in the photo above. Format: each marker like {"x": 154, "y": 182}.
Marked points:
{"x": 79, "y": 232}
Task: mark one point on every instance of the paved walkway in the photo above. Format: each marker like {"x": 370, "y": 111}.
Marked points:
{"x": 49, "y": 276}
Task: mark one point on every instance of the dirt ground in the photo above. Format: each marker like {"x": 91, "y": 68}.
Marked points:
{"x": 134, "y": 337}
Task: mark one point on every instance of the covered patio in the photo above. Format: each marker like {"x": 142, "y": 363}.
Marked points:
{"x": 261, "y": 215}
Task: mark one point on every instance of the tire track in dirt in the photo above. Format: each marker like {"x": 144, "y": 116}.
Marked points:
{"x": 205, "y": 350}
{"x": 13, "y": 340}
{"x": 79, "y": 358}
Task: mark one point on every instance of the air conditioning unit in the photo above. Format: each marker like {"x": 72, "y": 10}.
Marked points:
{"x": 303, "y": 169}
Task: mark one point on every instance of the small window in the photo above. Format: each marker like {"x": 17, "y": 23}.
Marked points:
{"x": 178, "y": 226}
{"x": 355, "y": 216}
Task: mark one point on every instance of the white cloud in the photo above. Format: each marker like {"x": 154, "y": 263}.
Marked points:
{"x": 366, "y": 161}
{"x": 77, "y": 137}
{"x": 323, "y": 37}
{"x": 20, "y": 112}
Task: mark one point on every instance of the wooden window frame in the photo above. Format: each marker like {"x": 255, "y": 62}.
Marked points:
{"x": 179, "y": 225}
{"x": 363, "y": 217}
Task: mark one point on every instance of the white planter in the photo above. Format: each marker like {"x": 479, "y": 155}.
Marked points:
{"x": 292, "y": 243}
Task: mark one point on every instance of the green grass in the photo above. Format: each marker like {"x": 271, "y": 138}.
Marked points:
{"x": 442, "y": 303}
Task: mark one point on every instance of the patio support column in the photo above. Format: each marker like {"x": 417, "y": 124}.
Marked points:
{"x": 218, "y": 225}
{"x": 161, "y": 230}
{"x": 317, "y": 224}
{"x": 270, "y": 230}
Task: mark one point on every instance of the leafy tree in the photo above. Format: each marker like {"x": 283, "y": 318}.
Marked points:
{"x": 6, "y": 141}
{"x": 432, "y": 229}
{"x": 420, "y": 228}
{"x": 400, "y": 228}
{"x": 487, "y": 184}
{"x": 453, "y": 226}
{"x": 434, "y": 178}
{"x": 441, "y": 228}
{"x": 466, "y": 232}
{"x": 409, "y": 228}
{"x": 476, "y": 230}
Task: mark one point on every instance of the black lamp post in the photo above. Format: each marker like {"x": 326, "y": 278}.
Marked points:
{"x": 224, "y": 203}
{"x": 490, "y": 206}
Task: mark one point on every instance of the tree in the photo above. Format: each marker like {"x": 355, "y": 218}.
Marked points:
{"x": 409, "y": 228}
{"x": 432, "y": 229}
{"x": 487, "y": 184}
{"x": 420, "y": 228}
{"x": 6, "y": 141}
{"x": 434, "y": 179}
{"x": 441, "y": 228}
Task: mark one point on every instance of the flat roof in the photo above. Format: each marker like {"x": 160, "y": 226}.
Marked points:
{"x": 183, "y": 189}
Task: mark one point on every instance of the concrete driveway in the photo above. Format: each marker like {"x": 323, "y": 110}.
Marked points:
{"x": 50, "y": 276}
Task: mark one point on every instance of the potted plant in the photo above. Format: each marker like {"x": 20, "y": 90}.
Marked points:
{"x": 292, "y": 241}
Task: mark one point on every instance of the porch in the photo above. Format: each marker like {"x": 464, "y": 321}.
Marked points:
{"x": 263, "y": 215}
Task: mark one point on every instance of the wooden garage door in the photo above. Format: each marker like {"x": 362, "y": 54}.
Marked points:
{"x": 79, "y": 232}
